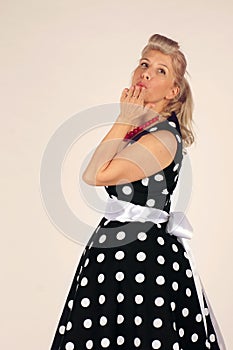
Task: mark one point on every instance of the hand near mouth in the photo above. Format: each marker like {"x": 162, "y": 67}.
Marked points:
{"x": 133, "y": 106}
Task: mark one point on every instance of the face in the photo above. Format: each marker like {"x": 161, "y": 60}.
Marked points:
{"x": 155, "y": 72}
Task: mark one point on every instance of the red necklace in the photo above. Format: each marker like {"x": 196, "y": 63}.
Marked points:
{"x": 139, "y": 128}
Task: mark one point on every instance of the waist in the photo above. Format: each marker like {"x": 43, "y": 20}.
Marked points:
{"x": 177, "y": 223}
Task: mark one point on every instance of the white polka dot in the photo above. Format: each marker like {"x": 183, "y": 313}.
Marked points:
{"x": 150, "y": 202}
{"x": 206, "y": 311}
{"x": 103, "y": 320}
{"x": 207, "y": 343}
{"x": 181, "y": 332}
{"x": 100, "y": 257}
{"x": 160, "y": 280}
{"x": 173, "y": 305}
{"x": 186, "y": 255}
{"x": 84, "y": 281}
{"x": 137, "y": 341}
{"x": 160, "y": 240}
{"x": 153, "y": 128}
{"x": 189, "y": 273}
{"x": 176, "y": 346}
{"x": 68, "y": 326}
{"x": 102, "y": 238}
{"x": 174, "y": 326}
{"x": 158, "y": 225}
{"x": 188, "y": 292}
{"x": 138, "y": 299}
{"x": 120, "y": 340}
{"x": 87, "y": 323}
{"x": 85, "y": 302}
{"x": 161, "y": 259}
{"x": 89, "y": 344}
{"x": 199, "y": 318}
{"x": 139, "y": 277}
{"x": 145, "y": 181}
{"x": 176, "y": 266}
{"x": 142, "y": 236}
{"x": 176, "y": 167}
{"x": 159, "y": 301}
{"x": 105, "y": 342}
{"x": 137, "y": 320}
{"x": 194, "y": 337}
{"x": 120, "y": 235}
{"x": 120, "y": 319}
{"x": 86, "y": 262}
{"x": 176, "y": 177}
{"x": 69, "y": 346}
{"x": 101, "y": 278}
{"x": 175, "y": 286}
{"x": 70, "y": 304}
{"x": 212, "y": 338}
{"x": 174, "y": 248}
{"x": 62, "y": 329}
{"x": 102, "y": 299}
{"x": 172, "y": 124}
{"x": 141, "y": 256}
{"x": 178, "y": 138}
{"x": 158, "y": 177}
{"x": 157, "y": 323}
{"x": 185, "y": 312}
{"x": 120, "y": 297}
{"x": 119, "y": 276}
{"x": 126, "y": 190}
{"x": 165, "y": 191}
{"x": 156, "y": 344}
{"x": 119, "y": 255}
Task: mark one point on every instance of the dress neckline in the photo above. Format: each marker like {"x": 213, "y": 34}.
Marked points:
{"x": 171, "y": 118}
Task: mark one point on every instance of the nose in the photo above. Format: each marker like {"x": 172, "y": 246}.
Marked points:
{"x": 146, "y": 75}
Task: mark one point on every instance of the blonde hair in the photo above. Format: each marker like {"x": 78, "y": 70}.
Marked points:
{"x": 182, "y": 104}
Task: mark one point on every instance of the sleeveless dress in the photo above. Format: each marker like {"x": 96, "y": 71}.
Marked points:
{"x": 134, "y": 287}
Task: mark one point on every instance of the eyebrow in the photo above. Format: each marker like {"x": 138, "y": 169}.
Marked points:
{"x": 149, "y": 61}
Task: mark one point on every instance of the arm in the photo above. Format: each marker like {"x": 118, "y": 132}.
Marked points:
{"x": 111, "y": 144}
{"x": 132, "y": 108}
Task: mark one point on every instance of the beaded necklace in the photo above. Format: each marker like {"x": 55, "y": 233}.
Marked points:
{"x": 139, "y": 128}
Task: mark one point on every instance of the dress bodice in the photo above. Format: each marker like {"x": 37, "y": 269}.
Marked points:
{"x": 155, "y": 190}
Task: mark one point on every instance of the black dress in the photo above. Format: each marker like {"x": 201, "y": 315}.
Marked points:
{"x": 134, "y": 287}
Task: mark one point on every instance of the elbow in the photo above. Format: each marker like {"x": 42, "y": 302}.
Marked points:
{"x": 87, "y": 179}
{"x": 92, "y": 181}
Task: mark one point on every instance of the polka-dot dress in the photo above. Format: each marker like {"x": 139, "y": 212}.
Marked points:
{"x": 134, "y": 287}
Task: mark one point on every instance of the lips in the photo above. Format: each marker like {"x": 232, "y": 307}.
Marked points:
{"x": 141, "y": 84}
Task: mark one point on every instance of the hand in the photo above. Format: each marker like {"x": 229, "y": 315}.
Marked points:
{"x": 132, "y": 105}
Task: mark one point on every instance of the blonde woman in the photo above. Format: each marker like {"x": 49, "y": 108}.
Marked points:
{"x": 136, "y": 286}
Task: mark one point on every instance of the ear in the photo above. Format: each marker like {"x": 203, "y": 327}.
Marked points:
{"x": 173, "y": 92}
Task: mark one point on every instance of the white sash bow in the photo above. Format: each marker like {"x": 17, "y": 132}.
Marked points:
{"x": 179, "y": 226}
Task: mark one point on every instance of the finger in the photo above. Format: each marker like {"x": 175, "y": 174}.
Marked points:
{"x": 124, "y": 94}
{"x": 137, "y": 92}
{"x": 131, "y": 91}
{"x": 142, "y": 93}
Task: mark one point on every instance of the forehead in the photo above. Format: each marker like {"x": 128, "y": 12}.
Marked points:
{"x": 157, "y": 56}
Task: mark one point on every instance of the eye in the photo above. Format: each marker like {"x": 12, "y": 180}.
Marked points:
{"x": 162, "y": 71}
{"x": 144, "y": 63}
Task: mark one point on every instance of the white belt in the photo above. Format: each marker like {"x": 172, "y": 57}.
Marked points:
{"x": 179, "y": 226}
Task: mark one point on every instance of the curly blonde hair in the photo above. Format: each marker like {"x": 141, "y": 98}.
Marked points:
{"x": 182, "y": 104}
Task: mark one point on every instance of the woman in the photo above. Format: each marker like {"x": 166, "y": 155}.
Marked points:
{"x": 136, "y": 286}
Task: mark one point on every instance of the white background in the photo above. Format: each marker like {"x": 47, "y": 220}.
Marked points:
{"x": 61, "y": 57}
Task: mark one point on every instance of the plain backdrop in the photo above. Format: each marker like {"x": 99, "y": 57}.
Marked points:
{"x": 61, "y": 57}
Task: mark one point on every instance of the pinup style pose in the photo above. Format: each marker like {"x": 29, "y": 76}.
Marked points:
{"x": 135, "y": 286}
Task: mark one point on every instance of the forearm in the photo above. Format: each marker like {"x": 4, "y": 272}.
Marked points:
{"x": 108, "y": 148}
